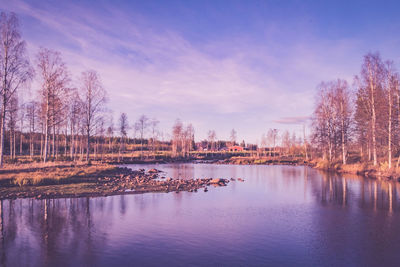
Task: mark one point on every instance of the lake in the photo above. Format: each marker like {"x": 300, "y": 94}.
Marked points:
{"x": 280, "y": 215}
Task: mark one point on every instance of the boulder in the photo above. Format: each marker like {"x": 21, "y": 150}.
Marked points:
{"x": 153, "y": 171}
{"x": 217, "y": 181}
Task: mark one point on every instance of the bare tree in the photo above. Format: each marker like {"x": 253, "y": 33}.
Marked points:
{"x": 141, "y": 126}
{"x": 344, "y": 113}
{"x": 286, "y": 142}
{"x": 21, "y": 117}
{"x": 188, "y": 139}
{"x": 12, "y": 124}
{"x": 332, "y": 119}
{"x": 123, "y": 129}
{"x": 177, "y": 130}
{"x": 212, "y": 137}
{"x": 32, "y": 114}
{"x": 372, "y": 72}
{"x": 94, "y": 98}
{"x": 110, "y": 135}
{"x": 74, "y": 118}
{"x": 271, "y": 137}
{"x": 54, "y": 77}
{"x": 15, "y": 70}
{"x": 391, "y": 82}
{"x": 154, "y": 134}
{"x": 233, "y": 137}
{"x": 324, "y": 120}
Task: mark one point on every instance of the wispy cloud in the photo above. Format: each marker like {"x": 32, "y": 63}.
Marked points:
{"x": 160, "y": 72}
{"x": 293, "y": 120}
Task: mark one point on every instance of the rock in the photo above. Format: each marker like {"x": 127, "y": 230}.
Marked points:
{"x": 219, "y": 181}
{"x": 233, "y": 179}
{"x": 240, "y": 180}
{"x": 153, "y": 171}
{"x": 216, "y": 181}
{"x": 205, "y": 189}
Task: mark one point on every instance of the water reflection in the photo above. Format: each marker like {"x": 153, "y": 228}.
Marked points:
{"x": 48, "y": 231}
{"x": 350, "y": 189}
{"x": 280, "y": 215}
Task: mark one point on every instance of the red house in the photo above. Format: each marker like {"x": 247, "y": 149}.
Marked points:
{"x": 235, "y": 149}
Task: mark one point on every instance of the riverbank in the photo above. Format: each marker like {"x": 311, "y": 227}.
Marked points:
{"x": 82, "y": 180}
{"x": 362, "y": 169}
{"x": 263, "y": 161}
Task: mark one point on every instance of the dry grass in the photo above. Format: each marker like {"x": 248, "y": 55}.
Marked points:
{"x": 39, "y": 173}
{"x": 355, "y": 168}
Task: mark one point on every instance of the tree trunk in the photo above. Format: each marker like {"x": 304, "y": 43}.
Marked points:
{"x": 11, "y": 144}
{"x": 20, "y": 142}
{"x": 88, "y": 144}
{"x": 46, "y": 128}
{"x": 53, "y": 141}
{"x": 390, "y": 132}
{"x": 65, "y": 142}
{"x": 374, "y": 154}
{"x": 3, "y": 128}
{"x": 14, "y": 142}
{"x": 343, "y": 135}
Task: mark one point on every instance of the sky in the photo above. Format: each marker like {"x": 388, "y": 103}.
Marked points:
{"x": 248, "y": 65}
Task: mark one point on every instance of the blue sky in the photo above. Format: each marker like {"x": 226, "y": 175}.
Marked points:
{"x": 248, "y": 65}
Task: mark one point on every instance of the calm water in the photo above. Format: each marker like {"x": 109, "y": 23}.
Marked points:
{"x": 281, "y": 215}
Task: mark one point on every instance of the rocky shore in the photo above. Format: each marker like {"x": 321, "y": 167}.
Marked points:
{"x": 120, "y": 180}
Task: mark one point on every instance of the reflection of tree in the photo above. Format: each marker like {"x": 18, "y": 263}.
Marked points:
{"x": 3, "y": 248}
{"x": 59, "y": 227}
{"x": 363, "y": 232}
{"x": 122, "y": 205}
{"x": 182, "y": 171}
{"x": 332, "y": 189}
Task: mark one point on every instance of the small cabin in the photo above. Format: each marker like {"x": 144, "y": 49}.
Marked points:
{"x": 235, "y": 149}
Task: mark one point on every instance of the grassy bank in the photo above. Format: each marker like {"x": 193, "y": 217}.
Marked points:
{"x": 364, "y": 169}
{"x": 51, "y": 173}
{"x": 357, "y": 168}
{"x": 264, "y": 161}
{"x": 62, "y": 180}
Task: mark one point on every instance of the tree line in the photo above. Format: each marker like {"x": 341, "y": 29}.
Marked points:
{"x": 361, "y": 120}
{"x": 59, "y": 108}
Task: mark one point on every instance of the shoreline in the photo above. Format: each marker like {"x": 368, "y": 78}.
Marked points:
{"x": 68, "y": 180}
{"x": 108, "y": 180}
{"x": 361, "y": 169}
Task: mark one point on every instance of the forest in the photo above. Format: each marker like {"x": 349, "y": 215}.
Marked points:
{"x": 361, "y": 122}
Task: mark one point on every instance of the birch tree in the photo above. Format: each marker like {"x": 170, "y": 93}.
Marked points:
{"x": 342, "y": 99}
{"x": 15, "y": 70}
{"x": 54, "y": 76}
{"x": 212, "y": 137}
{"x": 123, "y": 129}
{"x": 233, "y": 137}
{"x": 154, "y": 134}
{"x": 390, "y": 84}
{"x": 177, "y": 130}
{"x": 32, "y": 114}
{"x": 94, "y": 98}
{"x": 372, "y": 72}
{"x": 141, "y": 126}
